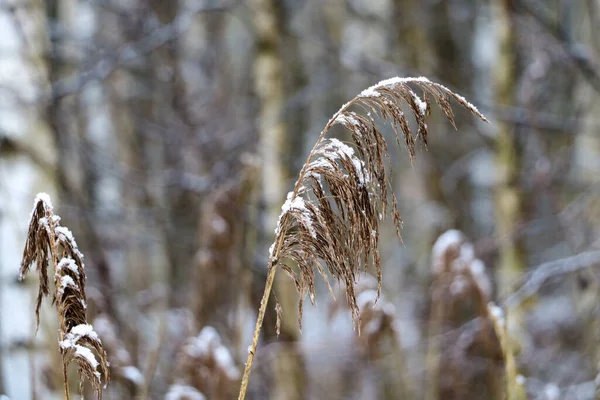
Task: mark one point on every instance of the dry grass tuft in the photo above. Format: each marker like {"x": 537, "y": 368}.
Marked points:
{"x": 330, "y": 221}
{"x": 48, "y": 242}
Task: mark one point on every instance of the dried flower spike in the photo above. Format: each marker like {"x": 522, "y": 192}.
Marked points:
{"x": 330, "y": 221}
{"x": 48, "y": 242}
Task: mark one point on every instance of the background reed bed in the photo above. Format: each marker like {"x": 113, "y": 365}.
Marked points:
{"x": 169, "y": 133}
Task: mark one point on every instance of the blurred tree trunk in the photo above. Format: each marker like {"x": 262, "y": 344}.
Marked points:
{"x": 180, "y": 156}
{"x": 508, "y": 192}
{"x": 586, "y": 163}
{"x": 509, "y": 200}
{"x": 449, "y": 32}
{"x": 288, "y": 367}
{"x": 325, "y": 94}
{"x": 27, "y": 166}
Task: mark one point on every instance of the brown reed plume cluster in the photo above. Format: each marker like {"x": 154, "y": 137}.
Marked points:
{"x": 461, "y": 292}
{"x": 205, "y": 367}
{"x": 330, "y": 221}
{"x": 49, "y": 243}
{"x": 378, "y": 346}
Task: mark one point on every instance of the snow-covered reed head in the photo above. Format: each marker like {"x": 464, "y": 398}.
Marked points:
{"x": 454, "y": 257}
{"x": 330, "y": 221}
{"x": 48, "y": 242}
{"x": 38, "y": 246}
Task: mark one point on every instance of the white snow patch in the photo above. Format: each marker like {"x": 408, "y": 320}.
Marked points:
{"x": 373, "y": 326}
{"x": 86, "y": 354}
{"x": 389, "y": 308}
{"x": 420, "y": 103}
{"x": 296, "y": 204}
{"x": 394, "y": 82}
{"x": 70, "y": 342}
{"x": 338, "y": 148}
{"x": 551, "y": 392}
{"x": 65, "y": 282}
{"x": 183, "y": 392}
{"x": 208, "y": 345}
{"x": 225, "y": 361}
{"x": 497, "y": 313}
{"x": 459, "y": 285}
{"x": 65, "y": 234}
{"x": 465, "y": 261}
{"x": 81, "y": 352}
{"x": 44, "y": 222}
{"x": 370, "y": 92}
{"x": 82, "y": 330}
{"x": 132, "y": 374}
{"x": 402, "y": 81}
{"x": 293, "y": 203}
{"x": 76, "y": 333}
{"x": 68, "y": 263}
{"x": 45, "y": 198}
{"x": 361, "y": 172}
{"x": 219, "y": 224}
{"x": 347, "y": 119}
{"x": 448, "y": 239}
{"x": 462, "y": 99}
{"x": 64, "y": 231}
{"x": 320, "y": 163}
{"x": 452, "y": 237}
{"x": 477, "y": 268}
{"x": 272, "y": 247}
{"x": 365, "y": 298}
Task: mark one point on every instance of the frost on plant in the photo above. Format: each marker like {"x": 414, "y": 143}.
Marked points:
{"x": 330, "y": 221}
{"x": 49, "y": 243}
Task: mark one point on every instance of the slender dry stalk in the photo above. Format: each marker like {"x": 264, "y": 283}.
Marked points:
{"x": 330, "y": 221}
{"x": 48, "y": 242}
{"x": 515, "y": 389}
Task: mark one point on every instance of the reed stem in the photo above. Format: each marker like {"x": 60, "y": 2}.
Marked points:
{"x": 259, "y": 321}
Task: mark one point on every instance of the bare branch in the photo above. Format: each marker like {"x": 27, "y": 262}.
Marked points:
{"x": 544, "y": 273}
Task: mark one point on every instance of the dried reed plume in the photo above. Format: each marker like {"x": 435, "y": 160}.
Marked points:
{"x": 48, "y": 242}
{"x": 206, "y": 365}
{"x": 460, "y": 292}
{"x": 379, "y": 344}
{"x": 330, "y": 221}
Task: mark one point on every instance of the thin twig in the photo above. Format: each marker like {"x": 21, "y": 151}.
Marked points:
{"x": 534, "y": 280}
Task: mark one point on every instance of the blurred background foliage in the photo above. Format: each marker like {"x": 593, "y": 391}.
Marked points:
{"x": 169, "y": 132}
